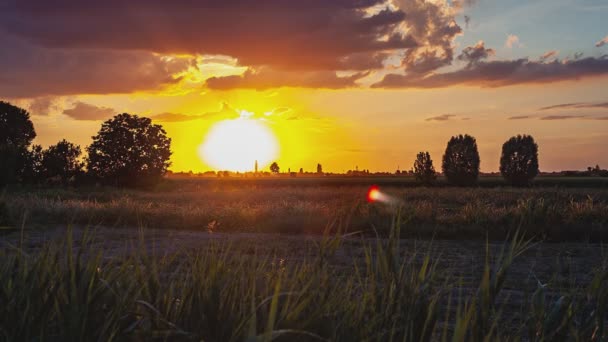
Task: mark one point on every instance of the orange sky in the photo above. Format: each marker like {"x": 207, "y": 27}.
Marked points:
{"x": 344, "y": 84}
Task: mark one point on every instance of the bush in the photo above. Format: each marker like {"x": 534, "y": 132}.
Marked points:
{"x": 129, "y": 151}
{"x": 424, "y": 171}
{"x": 519, "y": 160}
{"x": 461, "y": 161}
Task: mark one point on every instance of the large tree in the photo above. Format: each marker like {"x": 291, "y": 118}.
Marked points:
{"x": 16, "y": 135}
{"x": 519, "y": 160}
{"x": 461, "y": 160}
{"x": 61, "y": 162}
{"x": 129, "y": 151}
{"x": 424, "y": 171}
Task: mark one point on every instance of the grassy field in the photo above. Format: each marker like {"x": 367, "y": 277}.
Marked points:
{"x": 83, "y": 286}
{"x": 304, "y": 259}
{"x": 307, "y": 205}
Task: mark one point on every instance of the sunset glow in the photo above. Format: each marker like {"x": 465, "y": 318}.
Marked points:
{"x": 365, "y": 84}
{"x": 235, "y": 145}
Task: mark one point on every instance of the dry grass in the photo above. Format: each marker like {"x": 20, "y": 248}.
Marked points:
{"x": 546, "y": 213}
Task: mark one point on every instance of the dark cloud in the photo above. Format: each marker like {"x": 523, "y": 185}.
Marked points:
{"x": 266, "y": 78}
{"x": 312, "y": 34}
{"x": 31, "y": 71}
{"x": 519, "y": 117}
{"x": 89, "y": 112}
{"x": 576, "y": 105}
{"x": 474, "y": 54}
{"x": 443, "y": 117}
{"x": 504, "y": 73}
{"x": 43, "y": 105}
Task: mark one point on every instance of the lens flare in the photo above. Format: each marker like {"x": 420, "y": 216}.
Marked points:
{"x": 373, "y": 194}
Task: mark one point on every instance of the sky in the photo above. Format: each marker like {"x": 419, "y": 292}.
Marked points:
{"x": 346, "y": 83}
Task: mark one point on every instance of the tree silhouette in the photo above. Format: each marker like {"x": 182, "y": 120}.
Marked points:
{"x": 319, "y": 169}
{"x": 461, "y": 160}
{"x": 16, "y": 135}
{"x": 274, "y": 167}
{"x": 31, "y": 168}
{"x": 424, "y": 171}
{"x": 129, "y": 151}
{"x": 519, "y": 160}
{"x": 61, "y": 162}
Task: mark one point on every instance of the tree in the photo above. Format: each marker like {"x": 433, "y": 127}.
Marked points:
{"x": 31, "y": 169}
{"x": 461, "y": 160}
{"x": 61, "y": 162}
{"x": 519, "y": 160}
{"x": 16, "y": 135}
{"x": 319, "y": 169}
{"x": 424, "y": 171}
{"x": 129, "y": 151}
{"x": 274, "y": 167}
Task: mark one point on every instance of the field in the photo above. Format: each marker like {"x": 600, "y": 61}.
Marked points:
{"x": 305, "y": 259}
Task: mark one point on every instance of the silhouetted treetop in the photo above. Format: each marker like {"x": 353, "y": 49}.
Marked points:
{"x": 61, "y": 162}
{"x": 424, "y": 171}
{"x": 16, "y": 128}
{"x": 519, "y": 160}
{"x": 461, "y": 160}
{"x": 274, "y": 167}
{"x": 129, "y": 150}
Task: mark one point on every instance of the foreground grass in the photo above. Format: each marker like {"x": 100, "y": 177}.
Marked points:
{"x": 69, "y": 291}
{"x": 557, "y": 214}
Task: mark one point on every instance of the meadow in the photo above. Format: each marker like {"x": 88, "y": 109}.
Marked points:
{"x": 302, "y": 260}
{"x": 558, "y": 212}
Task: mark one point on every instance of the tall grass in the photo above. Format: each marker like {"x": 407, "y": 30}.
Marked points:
{"x": 70, "y": 291}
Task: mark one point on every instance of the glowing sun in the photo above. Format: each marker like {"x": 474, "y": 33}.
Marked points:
{"x": 235, "y": 145}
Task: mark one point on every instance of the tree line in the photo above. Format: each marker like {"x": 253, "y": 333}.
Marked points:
{"x": 460, "y": 164}
{"x": 131, "y": 151}
{"x": 127, "y": 151}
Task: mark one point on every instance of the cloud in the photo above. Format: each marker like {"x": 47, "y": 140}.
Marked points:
{"x": 504, "y": 73}
{"x": 443, "y": 117}
{"x": 226, "y": 112}
{"x": 561, "y": 117}
{"x": 266, "y": 78}
{"x": 312, "y": 34}
{"x": 576, "y": 105}
{"x": 519, "y": 117}
{"x": 512, "y": 40}
{"x": 30, "y": 71}
{"x": 43, "y": 105}
{"x": 474, "y": 54}
{"x": 549, "y": 54}
{"x": 602, "y": 42}
{"x": 89, "y": 112}
{"x": 432, "y": 25}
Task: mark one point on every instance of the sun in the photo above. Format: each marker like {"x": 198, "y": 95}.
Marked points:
{"x": 236, "y": 145}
